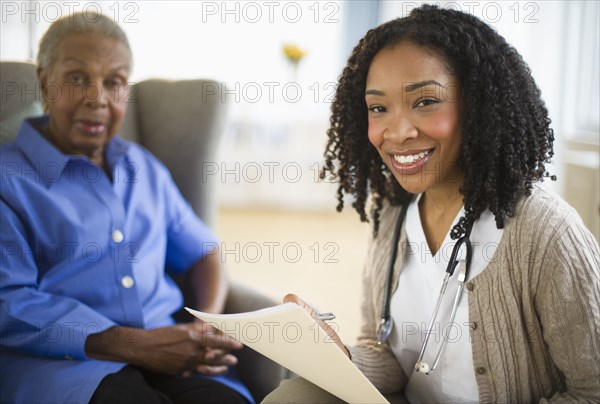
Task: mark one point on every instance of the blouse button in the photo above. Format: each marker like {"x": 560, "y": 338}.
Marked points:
{"x": 117, "y": 236}
{"x": 480, "y": 370}
{"x": 127, "y": 282}
{"x": 470, "y": 286}
{"x": 473, "y": 325}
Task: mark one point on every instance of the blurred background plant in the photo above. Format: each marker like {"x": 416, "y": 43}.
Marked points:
{"x": 293, "y": 53}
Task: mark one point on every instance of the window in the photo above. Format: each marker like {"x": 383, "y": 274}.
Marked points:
{"x": 581, "y": 108}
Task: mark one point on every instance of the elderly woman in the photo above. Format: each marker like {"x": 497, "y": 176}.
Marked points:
{"x": 439, "y": 130}
{"x": 86, "y": 304}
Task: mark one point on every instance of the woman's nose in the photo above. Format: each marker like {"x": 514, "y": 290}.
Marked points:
{"x": 96, "y": 96}
{"x": 400, "y": 128}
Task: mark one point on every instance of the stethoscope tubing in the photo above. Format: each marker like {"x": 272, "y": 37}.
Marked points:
{"x": 385, "y": 325}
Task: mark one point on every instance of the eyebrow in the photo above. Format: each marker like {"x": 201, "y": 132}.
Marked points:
{"x": 415, "y": 86}
{"x": 81, "y": 62}
{"x": 408, "y": 87}
{"x": 374, "y": 92}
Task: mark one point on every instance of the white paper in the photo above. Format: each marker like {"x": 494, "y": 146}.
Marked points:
{"x": 288, "y": 335}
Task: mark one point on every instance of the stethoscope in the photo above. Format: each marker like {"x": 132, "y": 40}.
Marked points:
{"x": 386, "y": 324}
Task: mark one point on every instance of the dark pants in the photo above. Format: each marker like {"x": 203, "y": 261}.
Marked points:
{"x": 135, "y": 385}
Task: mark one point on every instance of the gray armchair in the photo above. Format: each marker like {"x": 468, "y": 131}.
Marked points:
{"x": 174, "y": 122}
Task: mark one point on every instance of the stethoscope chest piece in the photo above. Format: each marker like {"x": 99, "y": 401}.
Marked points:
{"x": 384, "y": 329}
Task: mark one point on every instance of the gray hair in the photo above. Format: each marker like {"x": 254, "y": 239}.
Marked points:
{"x": 77, "y": 23}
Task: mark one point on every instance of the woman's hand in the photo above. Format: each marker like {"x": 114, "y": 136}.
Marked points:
{"x": 330, "y": 332}
{"x": 182, "y": 349}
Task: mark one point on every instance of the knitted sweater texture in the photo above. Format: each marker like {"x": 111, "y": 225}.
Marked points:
{"x": 534, "y": 311}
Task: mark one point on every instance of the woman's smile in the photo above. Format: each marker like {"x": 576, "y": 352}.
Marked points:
{"x": 410, "y": 162}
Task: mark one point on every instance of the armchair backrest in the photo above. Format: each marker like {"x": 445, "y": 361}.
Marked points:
{"x": 19, "y": 97}
{"x": 176, "y": 120}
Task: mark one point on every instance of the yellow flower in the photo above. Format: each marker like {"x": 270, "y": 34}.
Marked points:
{"x": 293, "y": 53}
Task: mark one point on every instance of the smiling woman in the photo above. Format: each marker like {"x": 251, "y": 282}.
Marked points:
{"x": 415, "y": 126}
{"x": 439, "y": 132}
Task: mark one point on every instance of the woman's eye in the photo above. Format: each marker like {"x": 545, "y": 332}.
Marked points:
{"x": 113, "y": 83}
{"x": 76, "y": 79}
{"x": 426, "y": 102}
{"x": 377, "y": 109}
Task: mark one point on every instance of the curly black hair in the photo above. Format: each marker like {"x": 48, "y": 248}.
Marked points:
{"x": 506, "y": 135}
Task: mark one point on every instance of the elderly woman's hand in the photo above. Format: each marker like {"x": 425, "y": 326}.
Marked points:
{"x": 329, "y": 331}
{"x": 182, "y": 349}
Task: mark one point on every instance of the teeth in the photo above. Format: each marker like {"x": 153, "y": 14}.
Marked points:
{"x": 410, "y": 158}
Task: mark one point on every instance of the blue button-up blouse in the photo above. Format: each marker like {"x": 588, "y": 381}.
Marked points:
{"x": 81, "y": 253}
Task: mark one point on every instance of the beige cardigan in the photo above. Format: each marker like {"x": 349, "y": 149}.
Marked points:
{"x": 534, "y": 310}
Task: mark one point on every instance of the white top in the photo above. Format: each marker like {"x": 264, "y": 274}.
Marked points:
{"x": 413, "y": 303}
